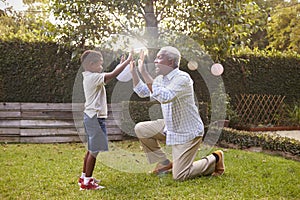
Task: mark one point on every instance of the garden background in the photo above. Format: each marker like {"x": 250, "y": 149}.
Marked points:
{"x": 257, "y": 42}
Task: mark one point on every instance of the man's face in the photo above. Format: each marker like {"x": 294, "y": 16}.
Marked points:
{"x": 163, "y": 64}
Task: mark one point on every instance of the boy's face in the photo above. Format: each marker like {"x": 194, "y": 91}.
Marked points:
{"x": 96, "y": 67}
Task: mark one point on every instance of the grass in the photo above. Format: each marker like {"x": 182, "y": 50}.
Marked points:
{"x": 50, "y": 171}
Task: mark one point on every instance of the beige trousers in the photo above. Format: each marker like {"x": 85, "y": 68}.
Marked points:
{"x": 183, "y": 155}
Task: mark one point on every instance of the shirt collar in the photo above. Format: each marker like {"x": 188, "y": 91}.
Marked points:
{"x": 170, "y": 75}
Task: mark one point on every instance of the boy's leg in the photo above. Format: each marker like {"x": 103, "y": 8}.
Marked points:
{"x": 149, "y": 134}
{"x": 84, "y": 161}
{"x": 184, "y": 166}
{"x": 90, "y": 165}
{"x": 97, "y": 141}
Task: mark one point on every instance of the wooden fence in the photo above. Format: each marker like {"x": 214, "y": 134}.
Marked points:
{"x": 258, "y": 109}
{"x": 50, "y": 123}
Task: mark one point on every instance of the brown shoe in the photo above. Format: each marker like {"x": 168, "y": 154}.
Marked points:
{"x": 162, "y": 169}
{"x": 220, "y": 165}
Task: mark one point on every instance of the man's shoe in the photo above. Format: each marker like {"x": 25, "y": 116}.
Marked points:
{"x": 91, "y": 185}
{"x": 162, "y": 169}
{"x": 220, "y": 165}
{"x": 80, "y": 180}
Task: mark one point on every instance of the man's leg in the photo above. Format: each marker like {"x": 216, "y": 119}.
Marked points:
{"x": 184, "y": 166}
{"x": 149, "y": 134}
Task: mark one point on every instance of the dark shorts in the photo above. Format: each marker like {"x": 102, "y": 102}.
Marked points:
{"x": 95, "y": 129}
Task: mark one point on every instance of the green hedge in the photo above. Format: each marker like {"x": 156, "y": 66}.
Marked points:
{"x": 252, "y": 74}
{"x": 44, "y": 72}
{"x": 274, "y": 75}
{"x": 38, "y": 72}
{"x": 266, "y": 141}
{"x": 35, "y": 72}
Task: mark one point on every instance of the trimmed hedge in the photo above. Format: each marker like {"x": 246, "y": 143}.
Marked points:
{"x": 266, "y": 141}
{"x": 273, "y": 75}
{"x": 251, "y": 74}
{"x": 35, "y": 72}
{"x": 39, "y": 72}
{"x": 44, "y": 72}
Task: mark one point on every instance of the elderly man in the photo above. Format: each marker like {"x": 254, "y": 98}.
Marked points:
{"x": 181, "y": 126}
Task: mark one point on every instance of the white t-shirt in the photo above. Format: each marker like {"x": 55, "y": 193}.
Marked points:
{"x": 95, "y": 94}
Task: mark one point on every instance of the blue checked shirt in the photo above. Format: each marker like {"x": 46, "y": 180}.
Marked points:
{"x": 176, "y": 94}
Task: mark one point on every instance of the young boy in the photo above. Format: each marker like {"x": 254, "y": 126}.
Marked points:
{"x": 95, "y": 112}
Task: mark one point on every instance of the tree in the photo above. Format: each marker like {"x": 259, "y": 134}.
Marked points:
{"x": 219, "y": 26}
{"x": 29, "y": 25}
{"x": 284, "y": 28}
{"x": 265, "y": 18}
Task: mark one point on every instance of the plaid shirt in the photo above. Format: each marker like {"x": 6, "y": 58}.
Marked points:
{"x": 176, "y": 94}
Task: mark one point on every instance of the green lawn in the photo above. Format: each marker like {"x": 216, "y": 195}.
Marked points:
{"x": 50, "y": 171}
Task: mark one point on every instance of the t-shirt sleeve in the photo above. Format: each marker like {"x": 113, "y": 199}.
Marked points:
{"x": 98, "y": 78}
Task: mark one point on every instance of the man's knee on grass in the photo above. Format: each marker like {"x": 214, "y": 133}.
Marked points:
{"x": 180, "y": 176}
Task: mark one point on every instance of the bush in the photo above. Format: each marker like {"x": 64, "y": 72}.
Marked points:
{"x": 45, "y": 72}
{"x": 266, "y": 141}
{"x": 294, "y": 114}
{"x": 36, "y": 72}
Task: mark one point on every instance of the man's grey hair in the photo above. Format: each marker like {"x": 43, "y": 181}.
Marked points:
{"x": 173, "y": 54}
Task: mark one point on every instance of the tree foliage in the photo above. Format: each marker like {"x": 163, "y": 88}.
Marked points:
{"x": 218, "y": 26}
{"x": 284, "y": 28}
{"x": 32, "y": 24}
{"x": 83, "y": 22}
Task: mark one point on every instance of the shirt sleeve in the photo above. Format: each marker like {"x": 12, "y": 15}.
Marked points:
{"x": 142, "y": 90}
{"x": 166, "y": 94}
{"x": 98, "y": 78}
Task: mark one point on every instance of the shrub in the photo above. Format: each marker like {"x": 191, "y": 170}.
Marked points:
{"x": 266, "y": 141}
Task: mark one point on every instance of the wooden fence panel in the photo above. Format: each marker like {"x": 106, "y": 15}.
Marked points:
{"x": 50, "y": 122}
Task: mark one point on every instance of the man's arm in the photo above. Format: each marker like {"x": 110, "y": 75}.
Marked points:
{"x": 145, "y": 74}
{"x": 139, "y": 86}
{"x": 135, "y": 77}
{"x": 147, "y": 77}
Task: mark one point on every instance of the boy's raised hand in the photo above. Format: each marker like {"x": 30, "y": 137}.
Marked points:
{"x": 122, "y": 59}
{"x": 130, "y": 56}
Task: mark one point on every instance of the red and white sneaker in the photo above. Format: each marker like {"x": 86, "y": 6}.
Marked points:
{"x": 80, "y": 180}
{"x": 91, "y": 185}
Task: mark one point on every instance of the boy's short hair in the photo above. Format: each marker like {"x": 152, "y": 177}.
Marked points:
{"x": 90, "y": 56}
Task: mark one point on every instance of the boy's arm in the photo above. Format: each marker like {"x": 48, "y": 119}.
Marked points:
{"x": 110, "y": 75}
